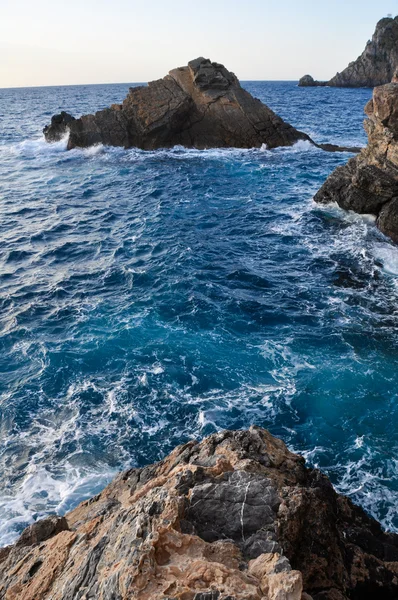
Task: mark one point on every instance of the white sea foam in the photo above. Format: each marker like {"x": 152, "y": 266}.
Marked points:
{"x": 54, "y": 479}
{"x": 361, "y": 239}
{"x": 302, "y": 146}
{"x": 387, "y": 253}
{"x": 360, "y": 479}
{"x": 92, "y": 150}
{"x": 157, "y": 369}
{"x": 41, "y": 493}
{"x": 367, "y": 486}
{"x": 39, "y": 146}
{"x": 143, "y": 379}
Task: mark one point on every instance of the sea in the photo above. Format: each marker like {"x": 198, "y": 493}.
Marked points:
{"x": 148, "y": 298}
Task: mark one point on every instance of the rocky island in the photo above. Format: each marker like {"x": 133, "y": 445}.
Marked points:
{"x": 236, "y": 516}
{"x": 375, "y": 66}
{"x": 368, "y": 183}
{"x": 309, "y": 81}
{"x": 201, "y": 105}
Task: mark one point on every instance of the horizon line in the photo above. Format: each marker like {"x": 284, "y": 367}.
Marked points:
{"x": 24, "y": 87}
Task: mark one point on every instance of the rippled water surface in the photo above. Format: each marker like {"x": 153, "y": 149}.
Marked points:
{"x": 151, "y": 297}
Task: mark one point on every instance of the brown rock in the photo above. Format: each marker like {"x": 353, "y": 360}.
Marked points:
{"x": 235, "y": 516}
{"x": 42, "y": 530}
{"x": 201, "y": 105}
{"x": 368, "y": 183}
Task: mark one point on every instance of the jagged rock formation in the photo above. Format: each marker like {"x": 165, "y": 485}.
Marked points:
{"x": 376, "y": 64}
{"x": 236, "y": 516}
{"x": 368, "y": 183}
{"x": 201, "y": 105}
{"x": 58, "y": 127}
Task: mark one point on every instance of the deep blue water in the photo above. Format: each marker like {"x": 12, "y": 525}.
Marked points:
{"x": 151, "y": 297}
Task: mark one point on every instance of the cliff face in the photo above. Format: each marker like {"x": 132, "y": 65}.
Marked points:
{"x": 377, "y": 63}
{"x": 201, "y": 105}
{"x": 236, "y": 516}
{"x": 375, "y": 66}
{"x": 368, "y": 183}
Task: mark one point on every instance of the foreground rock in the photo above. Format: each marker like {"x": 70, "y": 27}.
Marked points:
{"x": 235, "y": 516}
{"x": 201, "y": 105}
{"x": 376, "y": 64}
{"x": 368, "y": 183}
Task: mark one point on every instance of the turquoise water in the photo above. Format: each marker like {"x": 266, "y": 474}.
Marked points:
{"x": 151, "y": 297}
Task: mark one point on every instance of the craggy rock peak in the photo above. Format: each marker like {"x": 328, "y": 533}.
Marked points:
{"x": 368, "y": 183}
{"x": 201, "y": 105}
{"x": 376, "y": 64}
{"x": 236, "y": 516}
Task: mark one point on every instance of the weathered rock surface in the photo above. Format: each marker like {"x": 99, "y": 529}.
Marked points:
{"x": 368, "y": 183}
{"x": 201, "y": 105}
{"x": 375, "y": 66}
{"x": 235, "y": 516}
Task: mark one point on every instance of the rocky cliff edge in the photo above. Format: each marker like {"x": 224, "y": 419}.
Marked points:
{"x": 375, "y": 66}
{"x": 237, "y": 516}
{"x": 368, "y": 183}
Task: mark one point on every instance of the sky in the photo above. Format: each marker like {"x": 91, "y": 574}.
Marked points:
{"x": 54, "y": 42}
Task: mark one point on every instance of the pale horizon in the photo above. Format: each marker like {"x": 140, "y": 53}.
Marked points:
{"x": 49, "y": 44}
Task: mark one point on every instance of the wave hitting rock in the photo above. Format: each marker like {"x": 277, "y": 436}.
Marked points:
{"x": 237, "y": 516}
{"x": 201, "y": 105}
{"x": 368, "y": 183}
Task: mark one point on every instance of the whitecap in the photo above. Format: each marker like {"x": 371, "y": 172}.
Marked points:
{"x": 40, "y": 147}
{"x": 387, "y": 254}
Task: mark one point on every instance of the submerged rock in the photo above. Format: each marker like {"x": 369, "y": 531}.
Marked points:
{"x": 368, "y": 183}
{"x": 201, "y": 105}
{"x": 376, "y": 64}
{"x": 235, "y": 516}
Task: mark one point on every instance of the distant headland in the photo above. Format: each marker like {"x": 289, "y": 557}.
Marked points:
{"x": 375, "y": 66}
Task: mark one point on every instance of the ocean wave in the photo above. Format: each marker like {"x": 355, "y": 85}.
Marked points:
{"x": 40, "y": 148}
{"x": 149, "y": 297}
{"x": 359, "y": 478}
